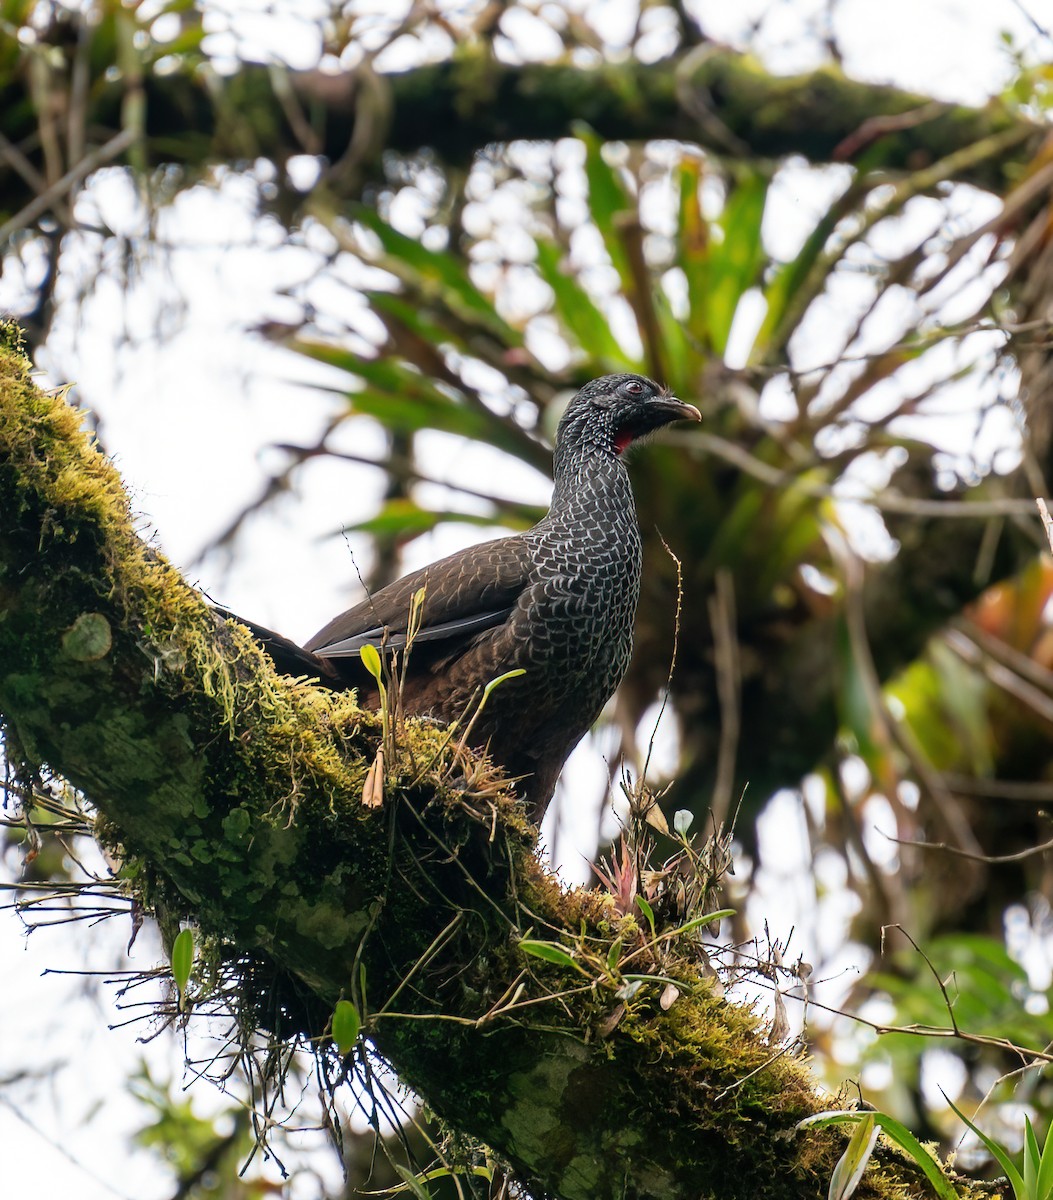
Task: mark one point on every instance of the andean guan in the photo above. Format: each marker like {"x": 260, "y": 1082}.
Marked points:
{"x": 558, "y": 601}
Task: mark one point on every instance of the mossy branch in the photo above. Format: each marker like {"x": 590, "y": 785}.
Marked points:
{"x": 240, "y": 793}
{"x": 714, "y": 97}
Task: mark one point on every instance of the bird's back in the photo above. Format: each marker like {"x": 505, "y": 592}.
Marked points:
{"x": 557, "y": 603}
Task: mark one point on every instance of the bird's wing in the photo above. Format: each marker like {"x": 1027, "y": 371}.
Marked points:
{"x": 464, "y": 594}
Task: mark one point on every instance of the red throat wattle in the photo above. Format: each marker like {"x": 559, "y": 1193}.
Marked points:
{"x": 621, "y": 440}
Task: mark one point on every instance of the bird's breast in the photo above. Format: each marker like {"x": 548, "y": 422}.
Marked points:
{"x": 585, "y": 587}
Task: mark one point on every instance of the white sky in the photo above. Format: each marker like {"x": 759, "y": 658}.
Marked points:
{"x": 187, "y": 417}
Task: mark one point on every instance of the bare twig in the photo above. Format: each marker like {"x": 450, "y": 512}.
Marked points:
{"x": 999, "y": 674}
{"x": 984, "y": 858}
{"x": 875, "y": 127}
{"x": 896, "y": 731}
{"x": 729, "y": 690}
{"x": 885, "y": 501}
{"x": 59, "y": 189}
{"x": 672, "y": 656}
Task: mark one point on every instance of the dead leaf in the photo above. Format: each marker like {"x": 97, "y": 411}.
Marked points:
{"x": 670, "y": 995}
{"x": 656, "y": 819}
{"x": 780, "y": 1025}
{"x": 610, "y": 1023}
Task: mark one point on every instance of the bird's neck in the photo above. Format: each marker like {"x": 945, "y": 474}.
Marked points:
{"x": 587, "y": 469}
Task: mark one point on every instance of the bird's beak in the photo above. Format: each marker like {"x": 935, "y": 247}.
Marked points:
{"x": 676, "y": 410}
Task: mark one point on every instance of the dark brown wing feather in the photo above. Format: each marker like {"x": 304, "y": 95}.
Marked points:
{"x": 464, "y": 594}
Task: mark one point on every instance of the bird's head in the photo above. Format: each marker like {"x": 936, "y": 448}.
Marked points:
{"x": 614, "y": 410}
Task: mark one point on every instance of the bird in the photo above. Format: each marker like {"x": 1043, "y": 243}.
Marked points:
{"x": 556, "y": 603}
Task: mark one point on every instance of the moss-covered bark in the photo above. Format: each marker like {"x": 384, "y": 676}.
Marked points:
{"x": 240, "y": 793}
{"x": 721, "y": 100}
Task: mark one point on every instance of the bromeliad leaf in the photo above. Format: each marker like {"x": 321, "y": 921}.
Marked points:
{"x": 900, "y": 1134}
{"x": 736, "y": 259}
{"x": 720, "y": 261}
{"x": 580, "y": 315}
{"x": 438, "y": 272}
{"x": 406, "y": 520}
{"x": 405, "y": 401}
{"x": 850, "y": 1166}
{"x": 608, "y": 201}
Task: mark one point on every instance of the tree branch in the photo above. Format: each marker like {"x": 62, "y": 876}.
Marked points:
{"x": 712, "y": 96}
{"x": 240, "y": 791}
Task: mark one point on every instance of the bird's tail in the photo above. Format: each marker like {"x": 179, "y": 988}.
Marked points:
{"x": 288, "y": 657}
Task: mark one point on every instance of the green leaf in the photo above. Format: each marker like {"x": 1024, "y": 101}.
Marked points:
{"x": 362, "y": 995}
{"x": 706, "y": 919}
{"x": 412, "y": 1181}
{"x": 404, "y": 400}
{"x": 407, "y": 519}
{"x": 1032, "y": 1159}
{"x": 736, "y": 259}
{"x": 723, "y": 260}
{"x": 850, "y": 1166}
{"x": 925, "y": 1159}
{"x": 609, "y": 201}
{"x": 900, "y": 1134}
{"x": 579, "y": 314}
{"x": 182, "y": 961}
{"x": 647, "y": 911}
{"x": 425, "y": 323}
{"x": 1004, "y": 1161}
{"x": 423, "y": 1177}
{"x": 346, "y": 1025}
{"x": 1044, "y": 1183}
{"x": 693, "y": 246}
{"x": 680, "y": 357}
{"x": 551, "y": 952}
{"x": 400, "y": 397}
{"x": 371, "y": 661}
{"x": 386, "y": 374}
{"x": 614, "y": 955}
{"x": 498, "y": 681}
{"x": 439, "y": 274}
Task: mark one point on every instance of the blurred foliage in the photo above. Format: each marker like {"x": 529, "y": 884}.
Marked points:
{"x": 199, "y": 1150}
{"x": 850, "y": 624}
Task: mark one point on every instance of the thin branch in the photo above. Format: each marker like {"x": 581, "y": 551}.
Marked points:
{"x": 91, "y": 162}
{"x": 1020, "y": 856}
{"x": 897, "y": 731}
{"x": 885, "y": 501}
{"x": 673, "y": 653}
{"x": 723, "y": 622}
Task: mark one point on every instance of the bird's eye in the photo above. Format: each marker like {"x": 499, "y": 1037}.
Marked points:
{"x": 635, "y": 388}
